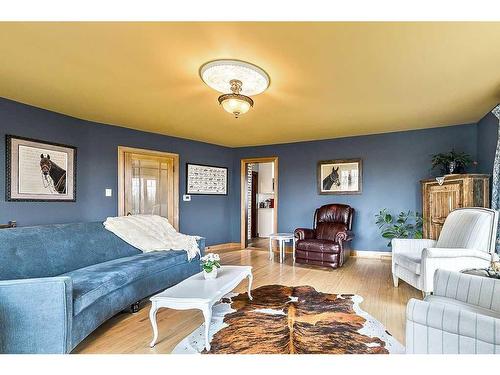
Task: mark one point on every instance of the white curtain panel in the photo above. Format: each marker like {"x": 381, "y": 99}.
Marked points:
{"x": 495, "y": 191}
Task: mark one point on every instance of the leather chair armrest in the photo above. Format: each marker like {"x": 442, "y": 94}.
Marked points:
{"x": 344, "y": 236}
{"x": 304, "y": 233}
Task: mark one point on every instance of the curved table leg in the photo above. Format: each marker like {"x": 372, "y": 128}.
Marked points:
{"x": 250, "y": 280}
{"x": 152, "y": 318}
{"x": 207, "y": 314}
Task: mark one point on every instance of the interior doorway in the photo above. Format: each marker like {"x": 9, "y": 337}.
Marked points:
{"x": 259, "y": 200}
{"x": 148, "y": 183}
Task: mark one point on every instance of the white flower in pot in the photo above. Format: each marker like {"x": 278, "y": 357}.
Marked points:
{"x": 210, "y": 263}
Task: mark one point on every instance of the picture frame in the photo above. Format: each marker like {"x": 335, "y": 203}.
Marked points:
{"x": 204, "y": 179}
{"x": 39, "y": 171}
{"x": 341, "y": 176}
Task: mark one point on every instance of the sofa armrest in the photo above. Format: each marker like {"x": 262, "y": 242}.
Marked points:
{"x": 344, "y": 236}
{"x": 304, "y": 233}
{"x": 435, "y": 252}
{"x": 36, "y": 315}
{"x": 410, "y": 245}
{"x": 439, "y": 328}
{"x": 449, "y": 259}
{"x": 474, "y": 290}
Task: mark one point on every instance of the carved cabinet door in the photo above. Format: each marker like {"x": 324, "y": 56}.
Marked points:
{"x": 442, "y": 200}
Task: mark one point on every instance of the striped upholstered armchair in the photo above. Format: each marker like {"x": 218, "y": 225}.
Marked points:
{"x": 461, "y": 317}
{"x": 467, "y": 240}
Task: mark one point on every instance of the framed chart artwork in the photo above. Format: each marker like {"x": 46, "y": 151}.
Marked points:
{"x": 39, "y": 171}
{"x": 206, "y": 180}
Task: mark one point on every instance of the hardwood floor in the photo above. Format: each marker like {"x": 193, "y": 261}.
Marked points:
{"x": 367, "y": 277}
{"x": 259, "y": 242}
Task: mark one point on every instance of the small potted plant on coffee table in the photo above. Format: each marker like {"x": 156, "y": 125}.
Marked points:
{"x": 210, "y": 263}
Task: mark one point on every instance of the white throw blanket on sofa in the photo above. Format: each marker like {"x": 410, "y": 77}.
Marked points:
{"x": 151, "y": 233}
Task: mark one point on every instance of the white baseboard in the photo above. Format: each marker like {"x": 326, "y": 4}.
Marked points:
{"x": 371, "y": 254}
{"x": 222, "y": 247}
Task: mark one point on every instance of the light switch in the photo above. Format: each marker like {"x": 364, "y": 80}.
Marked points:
{"x": 109, "y": 192}
{"x": 186, "y": 198}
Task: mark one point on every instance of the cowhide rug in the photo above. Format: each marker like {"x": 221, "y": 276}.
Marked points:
{"x": 291, "y": 320}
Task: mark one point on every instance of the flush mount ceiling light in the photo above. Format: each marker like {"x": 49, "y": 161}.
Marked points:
{"x": 237, "y": 80}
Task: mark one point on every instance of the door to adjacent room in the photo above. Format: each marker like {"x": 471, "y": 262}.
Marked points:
{"x": 148, "y": 183}
{"x": 259, "y": 200}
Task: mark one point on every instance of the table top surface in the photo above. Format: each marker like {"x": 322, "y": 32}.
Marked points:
{"x": 485, "y": 272}
{"x": 196, "y": 289}
{"x": 281, "y": 235}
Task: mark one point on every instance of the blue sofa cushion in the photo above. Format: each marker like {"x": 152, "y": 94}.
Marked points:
{"x": 93, "y": 282}
{"x": 50, "y": 250}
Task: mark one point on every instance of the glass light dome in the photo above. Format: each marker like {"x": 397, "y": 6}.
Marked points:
{"x": 236, "y": 104}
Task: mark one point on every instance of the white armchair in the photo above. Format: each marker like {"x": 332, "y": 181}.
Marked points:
{"x": 461, "y": 317}
{"x": 467, "y": 240}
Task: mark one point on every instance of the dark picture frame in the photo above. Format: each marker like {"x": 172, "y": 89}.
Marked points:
{"x": 200, "y": 179}
{"x": 340, "y": 176}
{"x": 30, "y": 173}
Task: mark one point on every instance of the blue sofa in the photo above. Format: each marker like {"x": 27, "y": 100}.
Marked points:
{"x": 58, "y": 283}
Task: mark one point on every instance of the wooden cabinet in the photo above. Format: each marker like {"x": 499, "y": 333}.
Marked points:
{"x": 457, "y": 190}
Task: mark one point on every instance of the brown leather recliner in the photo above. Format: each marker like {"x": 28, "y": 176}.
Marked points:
{"x": 328, "y": 244}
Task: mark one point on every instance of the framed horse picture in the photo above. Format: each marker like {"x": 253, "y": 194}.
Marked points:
{"x": 340, "y": 176}
{"x": 39, "y": 171}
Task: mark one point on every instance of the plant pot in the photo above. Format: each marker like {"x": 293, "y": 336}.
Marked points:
{"x": 210, "y": 275}
{"x": 452, "y": 167}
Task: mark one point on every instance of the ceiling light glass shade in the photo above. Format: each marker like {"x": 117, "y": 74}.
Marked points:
{"x": 218, "y": 74}
{"x": 236, "y": 104}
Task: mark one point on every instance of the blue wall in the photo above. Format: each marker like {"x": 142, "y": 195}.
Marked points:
{"x": 487, "y": 134}
{"x": 393, "y": 165}
{"x": 207, "y": 216}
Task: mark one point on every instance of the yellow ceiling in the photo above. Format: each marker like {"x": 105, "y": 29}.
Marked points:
{"x": 327, "y": 79}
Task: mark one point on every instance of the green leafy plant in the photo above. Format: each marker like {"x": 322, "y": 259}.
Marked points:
{"x": 210, "y": 261}
{"x": 451, "y": 162}
{"x": 405, "y": 225}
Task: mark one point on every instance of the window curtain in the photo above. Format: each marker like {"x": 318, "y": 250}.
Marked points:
{"x": 495, "y": 191}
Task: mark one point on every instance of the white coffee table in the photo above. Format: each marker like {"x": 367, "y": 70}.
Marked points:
{"x": 281, "y": 238}
{"x": 197, "y": 293}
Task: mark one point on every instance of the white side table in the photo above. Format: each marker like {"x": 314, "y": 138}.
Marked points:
{"x": 281, "y": 238}
{"x": 197, "y": 293}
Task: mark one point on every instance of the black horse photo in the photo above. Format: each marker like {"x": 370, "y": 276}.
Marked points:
{"x": 55, "y": 172}
{"x": 332, "y": 179}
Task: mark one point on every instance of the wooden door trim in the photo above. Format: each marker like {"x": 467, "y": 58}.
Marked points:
{"x": 121, "y": 178}
{"x": 243, "y": 162}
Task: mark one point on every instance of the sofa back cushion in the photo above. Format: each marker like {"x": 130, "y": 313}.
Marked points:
{"x": 334, "y": 213}
{"x": 51, "y": 250}
{"x": 469, "y": 228}
{"x": 328, "y": 231}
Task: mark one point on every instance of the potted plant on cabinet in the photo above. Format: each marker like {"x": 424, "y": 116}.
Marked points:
{"x": 451, "y": 162}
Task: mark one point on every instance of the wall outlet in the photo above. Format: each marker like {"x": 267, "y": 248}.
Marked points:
{"x": 109, "y": 192}
{"x": 186, "y": 198}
